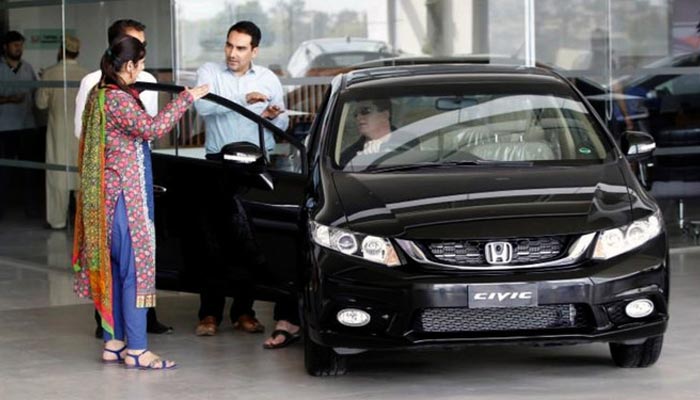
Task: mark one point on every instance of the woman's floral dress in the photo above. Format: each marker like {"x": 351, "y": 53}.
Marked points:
{"x": 128, "y": 128}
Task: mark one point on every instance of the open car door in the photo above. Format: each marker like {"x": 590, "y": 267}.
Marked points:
{"x": 224, "y": 219}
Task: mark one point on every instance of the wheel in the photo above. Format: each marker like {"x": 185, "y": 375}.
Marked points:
{"x": 321, "y": 360}
{"x": 637, "y": 355}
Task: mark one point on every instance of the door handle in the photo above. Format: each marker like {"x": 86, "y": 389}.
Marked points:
{"x": 157, "y": 189}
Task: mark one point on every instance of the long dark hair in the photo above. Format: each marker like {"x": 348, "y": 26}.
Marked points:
{"x": 122, "y": 50}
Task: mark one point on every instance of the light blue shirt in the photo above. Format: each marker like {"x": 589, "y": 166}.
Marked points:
{"x": 226, "y": 126}
{"x": 16, "y": 116}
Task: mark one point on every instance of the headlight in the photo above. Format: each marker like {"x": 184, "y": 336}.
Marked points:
{"x": 613, "y": 242}
{"x": 370, "y": 248}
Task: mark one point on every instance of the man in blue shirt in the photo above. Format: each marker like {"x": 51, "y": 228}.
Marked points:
{"x": 258, "y": 89}
{"x": 237, "y": 79}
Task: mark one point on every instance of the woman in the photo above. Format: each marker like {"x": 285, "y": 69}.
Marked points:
{"x": 114, "y": 244}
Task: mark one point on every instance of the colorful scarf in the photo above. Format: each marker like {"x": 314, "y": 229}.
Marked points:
{"x": 91, "y": 254}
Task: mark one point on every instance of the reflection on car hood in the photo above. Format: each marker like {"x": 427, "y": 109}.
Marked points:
{"x": 466, "y": 202}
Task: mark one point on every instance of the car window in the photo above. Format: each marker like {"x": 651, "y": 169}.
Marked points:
{"x": 410, "y": 129}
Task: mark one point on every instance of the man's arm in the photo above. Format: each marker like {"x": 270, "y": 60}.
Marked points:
{"x": 42, "y": 98}
{"x": 43, "y": 93}
{"x": 206, "y": 75}
{"x": 15, "y": 98}
{"x": 277, "y": 100}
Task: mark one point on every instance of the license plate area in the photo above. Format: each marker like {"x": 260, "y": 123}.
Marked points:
{"x": 503, "y": 295}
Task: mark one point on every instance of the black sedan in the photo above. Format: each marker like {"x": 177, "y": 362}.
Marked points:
{"x": 432, "y": 205}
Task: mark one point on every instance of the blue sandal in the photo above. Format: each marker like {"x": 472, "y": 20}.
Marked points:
{"x": 117, "y": 353}
{"x": 155, "y": 364}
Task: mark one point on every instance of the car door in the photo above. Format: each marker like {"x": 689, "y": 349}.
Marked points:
{"x": 213, "y": 219}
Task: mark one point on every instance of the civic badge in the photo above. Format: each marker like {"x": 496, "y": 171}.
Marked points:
{"x": 498, "y": 252}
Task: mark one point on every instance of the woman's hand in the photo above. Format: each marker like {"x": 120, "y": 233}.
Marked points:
{"x": 198, "y": 92}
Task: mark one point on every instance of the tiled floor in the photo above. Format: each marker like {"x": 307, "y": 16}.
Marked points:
{"x": 47, "y": 350}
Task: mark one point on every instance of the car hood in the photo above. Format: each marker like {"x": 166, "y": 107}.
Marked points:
{"x": 480, "y": 201}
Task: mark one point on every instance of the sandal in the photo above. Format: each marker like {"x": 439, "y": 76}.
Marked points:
{"x": 289, "y": 338}
{"x": 156, "y": 363}
{"x": 117, "y": 353}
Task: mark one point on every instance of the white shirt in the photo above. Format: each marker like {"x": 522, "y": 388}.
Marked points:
{"x": 148, "y": 97}
{"x": 374, "y": 146}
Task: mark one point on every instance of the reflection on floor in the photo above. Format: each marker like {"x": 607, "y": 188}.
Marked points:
{"x": 47, "y": 350}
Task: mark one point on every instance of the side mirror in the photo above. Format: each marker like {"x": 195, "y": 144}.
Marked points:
{"x": 247, "y": 163}
{"x": 637, "y": 145}
{"x": 243, "y": 155}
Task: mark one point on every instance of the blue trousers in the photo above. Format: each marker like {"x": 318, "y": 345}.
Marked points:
{"x": 129, "y": 321}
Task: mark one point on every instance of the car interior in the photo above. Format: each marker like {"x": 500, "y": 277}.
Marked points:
{"x": 524, "y": 133}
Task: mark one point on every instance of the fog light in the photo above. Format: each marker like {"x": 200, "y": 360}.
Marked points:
{"x": 353, "y": 317}
{"x": 639, "y": 308}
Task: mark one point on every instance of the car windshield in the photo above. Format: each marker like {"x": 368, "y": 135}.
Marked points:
{"x": 412, "y": 131}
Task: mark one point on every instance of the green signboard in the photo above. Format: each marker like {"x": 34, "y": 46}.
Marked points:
{"x": 45, "y": 39}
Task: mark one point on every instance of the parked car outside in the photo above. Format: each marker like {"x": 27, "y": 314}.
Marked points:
{"x": 446, "y": 205}
{"x": 329, "y": 56}
{"x": 325, "y": 57}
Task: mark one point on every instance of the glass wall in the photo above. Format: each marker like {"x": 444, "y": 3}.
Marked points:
{"x": 635, "y": 60}
{"x": 47, "y": 47}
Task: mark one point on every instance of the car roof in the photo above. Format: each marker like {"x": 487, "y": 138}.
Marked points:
{"x": 445, "y": 73}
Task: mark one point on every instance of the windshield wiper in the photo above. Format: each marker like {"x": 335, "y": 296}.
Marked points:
{"x": 422, "y": 165}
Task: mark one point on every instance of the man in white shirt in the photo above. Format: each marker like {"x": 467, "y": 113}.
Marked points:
{"x": 148, "y": 98}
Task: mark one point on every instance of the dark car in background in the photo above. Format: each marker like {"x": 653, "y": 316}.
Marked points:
{"x": 498, "y": 209}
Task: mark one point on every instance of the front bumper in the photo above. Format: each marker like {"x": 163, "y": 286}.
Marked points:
{"x": 397, "y": 300}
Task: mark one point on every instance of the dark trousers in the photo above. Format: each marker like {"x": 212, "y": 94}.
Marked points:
{"x": 24, "y": 145}
{"x": 287, "y": 309}
{"x": 9, "y": 150}
{"x": 223, "y": 273}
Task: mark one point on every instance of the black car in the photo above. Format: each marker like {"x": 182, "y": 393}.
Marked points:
{"x": 498, "y": 209}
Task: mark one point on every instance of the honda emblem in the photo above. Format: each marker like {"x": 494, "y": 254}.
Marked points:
{"x": 498, "y": 252}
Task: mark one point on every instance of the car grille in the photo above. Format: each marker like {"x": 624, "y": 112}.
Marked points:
{"x": 460, "y": 319}
{"x": 471, "y": 252}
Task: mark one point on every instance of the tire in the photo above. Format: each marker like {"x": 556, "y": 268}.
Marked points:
{"x": 321, "y": 360}
{"x": 637, "y": 355}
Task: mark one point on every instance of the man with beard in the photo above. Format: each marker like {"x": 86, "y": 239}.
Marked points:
{"x": 17, "y": 125}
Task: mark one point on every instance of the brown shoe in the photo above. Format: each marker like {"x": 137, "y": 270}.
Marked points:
{"x": 248, "y": 324}
{"x": 206, "y": 327}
